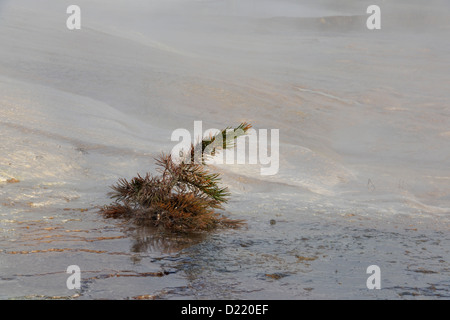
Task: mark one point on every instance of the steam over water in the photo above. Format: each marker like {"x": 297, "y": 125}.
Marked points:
{"x": 364, "y": 123}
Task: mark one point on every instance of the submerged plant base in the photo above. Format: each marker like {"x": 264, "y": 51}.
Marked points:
{"x": 174, "y": 219}
{"x": 183, "y": 198}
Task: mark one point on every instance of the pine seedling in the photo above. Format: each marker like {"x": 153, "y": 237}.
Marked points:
{"x": 184, "y": 197}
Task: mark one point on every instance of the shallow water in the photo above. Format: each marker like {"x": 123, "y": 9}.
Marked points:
{"x": 364, "y": 120}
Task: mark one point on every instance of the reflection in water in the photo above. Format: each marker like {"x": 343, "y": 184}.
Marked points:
{"x": 149, "y": 239}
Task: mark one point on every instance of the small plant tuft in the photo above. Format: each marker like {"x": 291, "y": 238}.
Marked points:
{"x": 184, "y": 197}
